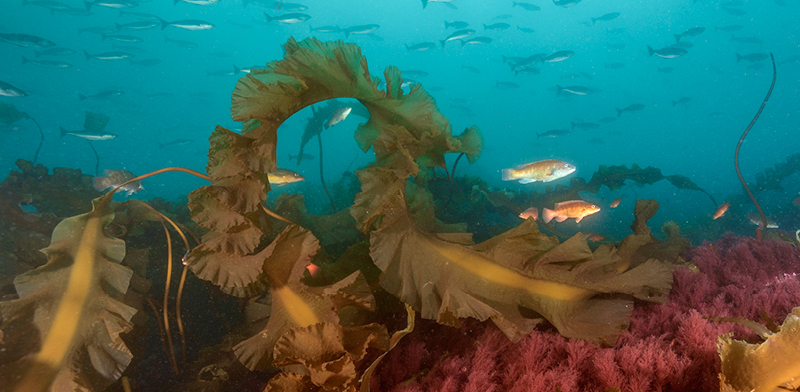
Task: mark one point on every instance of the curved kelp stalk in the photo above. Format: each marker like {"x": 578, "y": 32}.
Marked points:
{"x": 763, "y": 225}
{"x": 311, "y": 71}
{"x": 9, "y": 115}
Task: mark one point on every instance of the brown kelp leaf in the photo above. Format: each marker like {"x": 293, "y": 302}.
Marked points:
{"x": 446, "y": 281}
{"x": 71, "y": 305}
{"x": 644, "y": 210}
{"x": 614, "y": 177}
{"x": 318, "y": 348}
{"x": 9, "y": 113}
{"x": 336, "y": 228}
{"x": 763, "y": 367}
{"x": 759, "y": 329}
{"x": 95, "y": 122}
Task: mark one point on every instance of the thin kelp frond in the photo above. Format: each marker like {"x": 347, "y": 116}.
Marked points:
{"x": 9, "y": 115}
{"x": 763, "y": 225}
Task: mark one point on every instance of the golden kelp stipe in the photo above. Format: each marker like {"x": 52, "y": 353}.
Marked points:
{"x": 70, "y": 301}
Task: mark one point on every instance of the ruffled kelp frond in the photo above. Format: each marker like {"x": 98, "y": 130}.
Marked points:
{"x": 337, "y": 228}
{"x": 71, "y": 305}
{"x": 95, "y": 122}
{"x": 9, "y": 113}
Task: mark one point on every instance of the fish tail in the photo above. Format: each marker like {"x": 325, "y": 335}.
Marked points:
{"x": 446, "y": 24}
{"x": 674, "y": 103}
{"x": 424, "y": 4}
{"x": 548, "y": 215}
{"x": 269, "y": 18}
{"x": 236, "y": 69}
{"x": 104, "y": 36}
{"x": 573, "y": 124}
{"x": 508, "y": 174}
{"x": 649, "y": 49}
{"x": 619, "y": 112}
{"x": 175, "y": 2}
{"x": 593, "y": 20}
{"x": 24, "y": 60}
{"x": 118, "y": 26}
{"x": 504, "y": 59}
{"x": 407, "y": 49}
{"x": 81, "y": 97}
{"x": 100, "y": 183}
{"x": 738, "y": 58}
{"x": 63, "y": 131}
{"x": 245, "y": 3}
{"x": 121, "y": 13}
{"x": 87, "y": 55}
{"x": 88, "y": 5}
{"x": 310, "y": 29}
{"x": 559, "y": 89}
{"x": 347, "y": 34}
{"x": 37, "y": 54}
{"x": 443, "y": 42}
{"x": 462, "y": 42}
{"x": 677, "y": 37}
{"x": 164, "y": 24}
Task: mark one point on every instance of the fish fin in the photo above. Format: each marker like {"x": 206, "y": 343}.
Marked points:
{"x": 526, "y": 180}
{"x": 87, "y": 55}
{"x": 508, "y": 175}
{"x": 677, "y": 37}
{"x": 24, "y": 60}
{"x": 548, "y": 215}
{"x": 269, "y": 18}
{"x": 593, "y": 20}
{"x": 164, "y": 24}
{"x": 99, "y": 183}
{"x": 738, "y": 58}
{"x": 518, "y": 167}
{"x": 81, "y": 97}
{"x": 578, "y": 219}
{"x": 175, "y": 2}
{"x": 561, "y": 218}
{"x": 63, "y": 131}
{"x": 649, "y": 49}
{"x": 559, "y": 89}
{"x": 443, "y": 42}
{"x": 88, "y": 5}
{"x": 424, "y": 4}
{"x": 619, "y": 112}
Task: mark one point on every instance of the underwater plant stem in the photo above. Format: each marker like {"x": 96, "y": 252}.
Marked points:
{"x": 96, "y": 160}
{"x": 367, "y": 376}
{"x": 160, "y": 326}
{"x": 276, "y": 216}
{"x": 739, "y": 146}
{"x": 178, "y": 312}
{"x": 165, "y": 309}
{"x": 41, "y": 141}
{"x": 159, "y": 171}
{"x": 321, "y": 176}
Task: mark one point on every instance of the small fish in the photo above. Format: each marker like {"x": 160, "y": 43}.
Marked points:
{"x": 558, "y": 56}
{"x": 111, "y": 4}
{"x": 681, "y": 100}
{"x": 8, "y": 90}
{"x": 755, "y": 218}
{"x": 89, "y": 135}
{"x": 288, "y": 7}
{"x": 476, "y": 41}
{"x": 577, "y": 90}
{"x": 47, "y": 63}
{"x": 176, "y": 143}
{"x": 527, "y": 6}
{"x": 721, "y": 210}
{"x": 108, "y": 94}
{"x": 413, "y": 73}
{"x": 108, "y": 55}
{"x": 283, "y": 176}
{"x": 693, "y": 32}
{"x": 528, "y": 71}
{"x": 682, "y": 45}
{"x": 140, "y": 25}
{"x": 615, "y": 203}
{"x": 584, "y": 125}
{"x": 525, "y": 29}
{"x": 138, "y": 15}
{"x": 729, "y": 28}
{"x": 734, "y": 11}
{"x": 195, "y": 2}
{"x": 630, "y": 108}
{"x": 532, "y": 212}
{"x": 790, "y": 59}
{"x": 54, "y": 52}
{"x": 668, "y": 53}
{"x": 545, "y": 171}
{"x": 665, "y": 69}
{"x": 505, "y": 85}
{"x": 324, "y": 29}
{"x": 115, "y": 178}
{"x": 188, "y": 24}
{"x": 121, "y": 38}
{"x": 577, "y": 209}
{"x": 747, "y": 40}
{"x": 181, "y": 43}
{"x": 457, "y": 24}
{"x": 566, "y": 3}
{"x": 554, "y": 133}
{"x": 752, "y": 57}
{"x": 496, "y": 26}
{"x": 338, "y": 116}
{"x": 595, "y": 237}
{"x": 606, "y": 17}
{"x": 146, "y": 62}
{"x": 27, "y": 41}
{"x": 457, "y": 35}
{"x": 292, "y": 18}
{"x": 425, "y": 2}
{"x": 360, "y": 29}
{"x": 421, "y": 47}
{"x": 471, "y": 69}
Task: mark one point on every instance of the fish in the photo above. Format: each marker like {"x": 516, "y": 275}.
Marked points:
{"x": 176, "y": 143}
{"x": 421, "y": 47}
{"x": 503, "y": 16}
{"x": 668, "y": 53}
{"x": 338, "y": 116}
{"x": 729, "y": 28}
{"x": 615, "y": 203}
{"x": 584, "y": 125}
{"x": 456, "y": 24}
{"x": 146, "y": 62}
{"x": 110, "y": 4}
{"x": 693, "y": 32}
{"x": 88, "y": 135}
{"x": 181, "y": 43}
{"x": 141, "y": 25}
{"x": 8, "y": 90}
{"x": 505, "y": 85}
{"x": 496, "y": 26}
{"x": 665, "y": 69}
{"x": 47, "y": 63}
{"x": 747, "y": 40}
{"x": 102, "y": 95}
{"x": 360, "y": 29}
{"x": 682, "y": 45}
{"x": 566, "y": 3}
{"x": 553, "y": 133}
{"x": 577, "y": 209}
{"x": 577, "y": 90}
{"x": 752, "y": 57}
{"x": 115, "y": 178}
{"x": 721, "y": 210}
{"x": 528, "y": 61}
{"x": 476, "y": 41}
{"x": 681, "y": 100}
{"x": 288, "y": 7}
{"x": 413, "y": 73}
{"x": 544, "y": 171}
{"x": 291, "y": 18}
{"x": 26, "y": 41}
{"x": 790, "y": 59}
{"x": 558, "y": 56}
{"x": 425, "y": 2}
{"x": 606, "y": 17}
{"x": 324, "y": 29}
{"x": 471, "y": 69}
{"x": 734, "y": 11}
{"x": 188, "y": 24}
{"x": 457, "y": 35}
{"x": 195, "y": 2}
{"x": 755, "y": 218}
{"x": 525, "y": 29}
{"x": 635, "y": 107}
{"x": 527, "y": 6}
{"x": 532, "y": 212}
{"x": 528, "y": 70}
{"x": 283, "y": 176}
{"x": 75, "y": 11}
{"x": 121, "y": 38}
{"x": 108, "y": 55}
{"x": 312, "y": 269}
{"x": 54, "y": 52}
{"x": 595, "y": 237}
{"x": 138, "y": 15}
{"x": 49, "y": 4}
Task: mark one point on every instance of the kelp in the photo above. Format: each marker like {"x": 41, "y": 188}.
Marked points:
{"x": 70, "y": 306}
{"x": 333, "y": 229}
{"x": 773, "y": 365}
{"x": 771, "y": 178}
{"x": 9, "y": 115}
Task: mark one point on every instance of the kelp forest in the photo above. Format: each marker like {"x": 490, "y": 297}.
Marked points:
{"x": 419, "y": 279}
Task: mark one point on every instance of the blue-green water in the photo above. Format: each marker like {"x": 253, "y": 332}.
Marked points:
{"x": 177, "y": 99}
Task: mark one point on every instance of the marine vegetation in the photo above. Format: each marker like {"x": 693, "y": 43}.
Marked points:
{"x": 9, "y": 115}
{"x": 323, "y": 298}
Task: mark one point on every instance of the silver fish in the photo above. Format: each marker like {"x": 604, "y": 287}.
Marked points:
{"x": 288, "y": 18}
{"x": 558, "y": 56}
{"x": 108, "y": 55}
{"x": 460, "y": 34}
{"x": 26, "y": 41}
{"x": 360, "y": 29}
{"x": 8, "y": 90}
{"x": 102, "y": 95}
{"x": 88, "y": 135}
{"x": 668, "y": 53}
{"x": 115, "y": 178}
{"x": 47, "y": 63}
{"x": 338, "y": 116}
{"x": 421, "y": 47}
{"x": 188, "y": 24}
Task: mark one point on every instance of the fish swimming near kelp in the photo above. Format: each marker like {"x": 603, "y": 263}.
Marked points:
{"x": 284, "y": 176}
{"x": 615, "y": 203}
{"x": 532, "y": 212}
{"x": 115, "y": 178}
{"x": 88, "y": 135}
{"x": 755, "y": 218}
{"x": 577, "y": 209}
{"x": 338, "y": 116}
{"x": 545, "y": 171}
{"x": 721, "y": 210}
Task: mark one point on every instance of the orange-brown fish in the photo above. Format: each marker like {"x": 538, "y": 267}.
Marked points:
{"x": 284, "y": 176}
{"x": 721, "y": 210}
{"x": 594, "y": 237}
{"x": 615, "y": 202}
{"x": 115, "y": 178}
{"x": 577, "y": 209}
{"x": 532, "y": 212}
{"x": 313, "y": 269}
{"x": 547, "y": 170}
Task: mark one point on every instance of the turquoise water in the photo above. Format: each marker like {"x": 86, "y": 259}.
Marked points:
{"x": 177, "y": 99}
